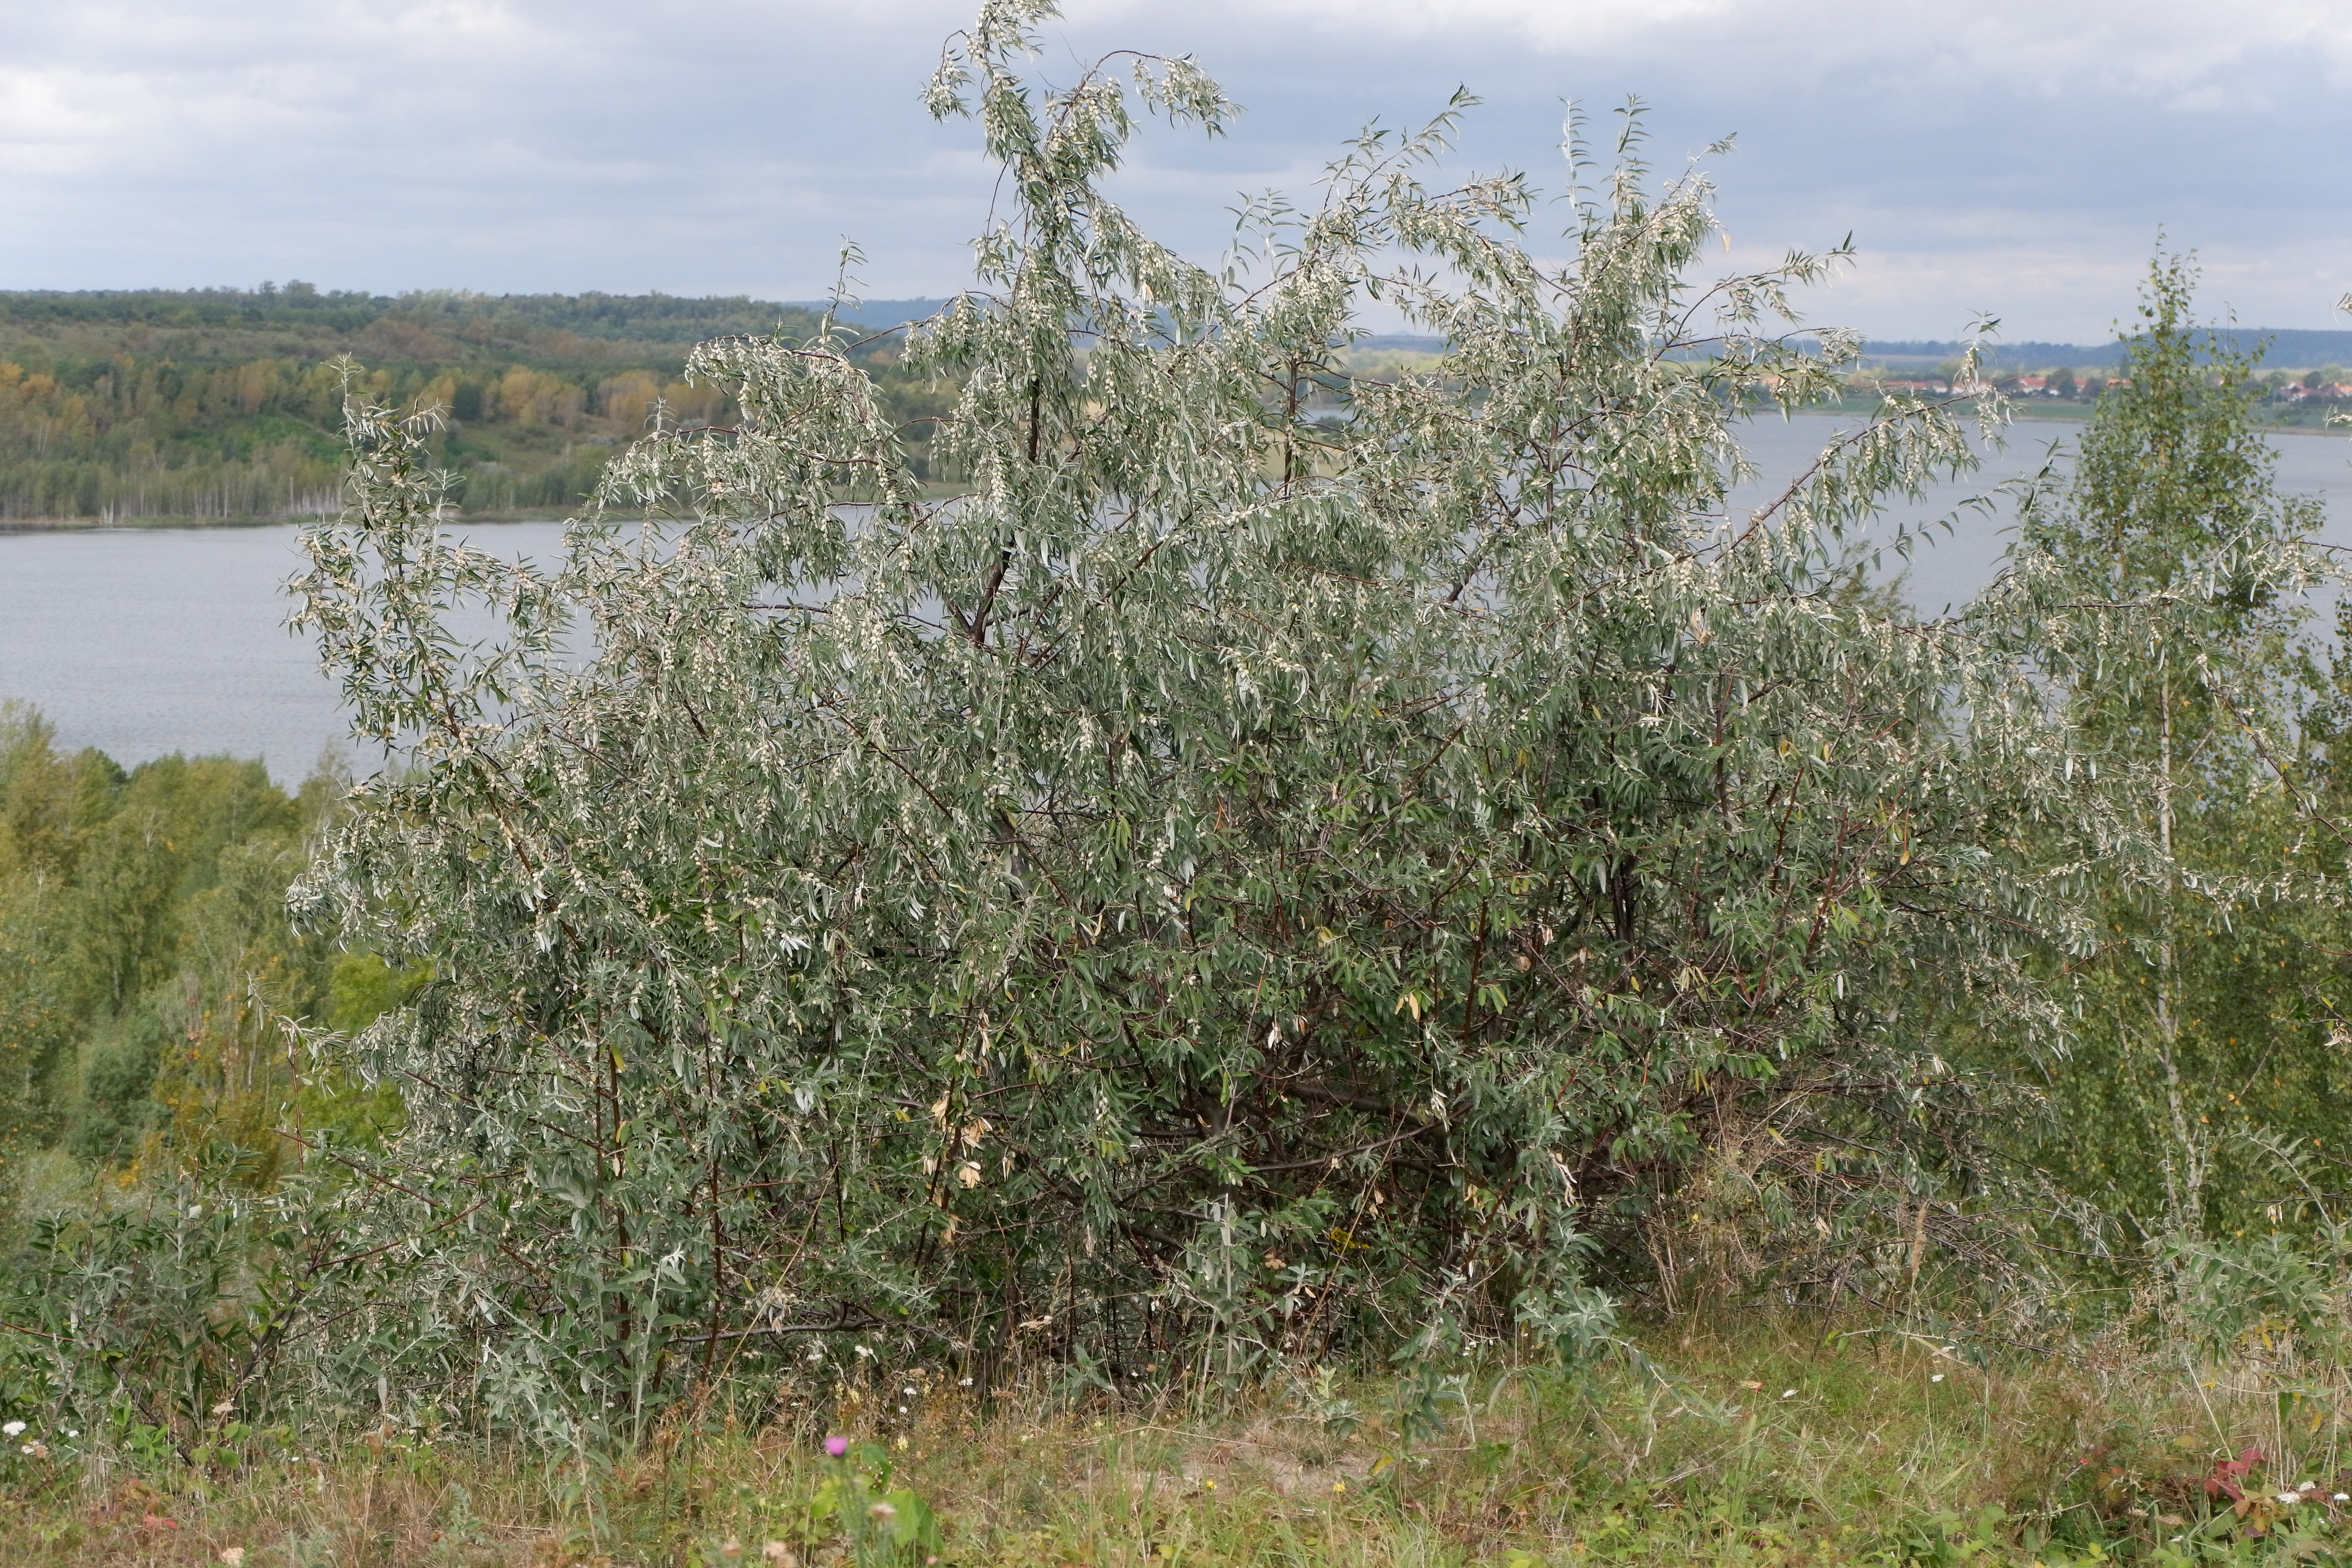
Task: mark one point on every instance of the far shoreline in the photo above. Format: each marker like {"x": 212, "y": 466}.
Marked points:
{"x": 2021, "y": 411}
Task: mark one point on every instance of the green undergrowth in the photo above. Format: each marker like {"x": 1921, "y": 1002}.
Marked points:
{"x": 1782, "y": 1443}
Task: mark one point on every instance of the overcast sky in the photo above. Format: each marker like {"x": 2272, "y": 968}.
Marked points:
{"x": 2014, "y": 157}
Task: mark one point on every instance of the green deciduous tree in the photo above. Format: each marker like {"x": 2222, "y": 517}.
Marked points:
{"x": 2174, "y": 617}
{"x": 143, "y": 937}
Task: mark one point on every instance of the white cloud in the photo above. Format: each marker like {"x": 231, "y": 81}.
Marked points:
{"x": 2012, "y": 155}
{"x": 2155, "y": 46}
{"x": 1546, "y": 23}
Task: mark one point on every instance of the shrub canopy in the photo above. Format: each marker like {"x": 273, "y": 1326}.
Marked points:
{"x": 1285, "y": 863}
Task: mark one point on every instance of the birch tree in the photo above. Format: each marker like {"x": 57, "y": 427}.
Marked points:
{"x": 2173, "y": 613}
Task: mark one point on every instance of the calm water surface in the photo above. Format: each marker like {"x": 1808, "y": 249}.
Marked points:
{"x": 143, "y": 642}
{"x": 1946, "y": 569}
{"x": 146, "y": 641}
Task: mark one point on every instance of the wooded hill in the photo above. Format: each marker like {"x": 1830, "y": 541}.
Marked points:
{"x": 2278, "y": 347}
{"x": 227, "y": 404}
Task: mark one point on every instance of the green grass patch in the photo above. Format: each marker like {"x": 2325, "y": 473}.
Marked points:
{"x": 1779, "y": 1443}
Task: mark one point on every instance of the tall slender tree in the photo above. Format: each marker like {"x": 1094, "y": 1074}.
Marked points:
{"x": 2174, "y": 616}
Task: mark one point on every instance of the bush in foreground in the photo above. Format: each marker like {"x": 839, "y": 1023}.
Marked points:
{"x": 1288, "y": 866}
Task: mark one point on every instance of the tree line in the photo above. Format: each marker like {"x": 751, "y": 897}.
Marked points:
{"x": 225, "y": 405}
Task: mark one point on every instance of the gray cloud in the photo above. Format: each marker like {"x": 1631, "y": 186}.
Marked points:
{"x": 2015, "y": 158}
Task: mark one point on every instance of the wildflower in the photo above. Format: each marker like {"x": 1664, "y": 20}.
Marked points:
{"x": 1338, "y": 1485}
{"x": 836, "y": 1447}
{"x": 902, "y": 1445}
{"x": 38, "y": 1450}
{"x": 2344, "y": 1497}
{"x": 863, "y": 1350}
{"x": 1938, "y": 1378}
{"x": 13, "y": 1429}
{"x": 234, "y": 1556}
{"x": 2290, "y": 1497}
{"x": 883, "y": 1513}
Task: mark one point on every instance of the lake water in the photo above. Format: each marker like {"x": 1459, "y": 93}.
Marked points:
{"x": 147, "y": 641}
{"x": 143, "y": 642}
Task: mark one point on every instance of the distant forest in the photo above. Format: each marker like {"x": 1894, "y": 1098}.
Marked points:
{"x": 225, "y": 405}
{"x": 2299, "y": 347}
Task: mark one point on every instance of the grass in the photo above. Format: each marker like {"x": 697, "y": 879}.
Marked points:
{"x": 1771, "y": 1443}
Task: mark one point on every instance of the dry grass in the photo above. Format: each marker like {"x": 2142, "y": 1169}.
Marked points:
{"x": 1772, "y": 1444}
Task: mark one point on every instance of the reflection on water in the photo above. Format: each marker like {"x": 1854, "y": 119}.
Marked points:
{"x": 143, "y": 642}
